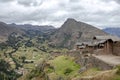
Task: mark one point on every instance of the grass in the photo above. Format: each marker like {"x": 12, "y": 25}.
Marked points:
{"x": 116, "y": 77}
{"x": 29, "y": 66}
{"x": 90, "y": 72}
{"x": 65, "y": 66}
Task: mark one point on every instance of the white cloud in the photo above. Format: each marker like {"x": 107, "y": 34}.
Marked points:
{"x": 101, "y": 13}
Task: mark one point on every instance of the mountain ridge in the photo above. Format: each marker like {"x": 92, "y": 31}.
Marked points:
{"x": 34, "y": 27}
{"x": 73, "y": 31}
{"x": 113, "y": 31}
{"x": 7, "y": 29}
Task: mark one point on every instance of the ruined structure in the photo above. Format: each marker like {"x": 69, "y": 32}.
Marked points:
{"x": 101, "y": 45}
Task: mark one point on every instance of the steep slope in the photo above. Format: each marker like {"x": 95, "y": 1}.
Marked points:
{"x": 73, "y": 31}
{"x": 5, "y": 30}
{"x": 113, "y": 31}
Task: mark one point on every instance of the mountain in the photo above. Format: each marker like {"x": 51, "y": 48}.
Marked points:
{"x": 113, "y": 31}
{"x": 33, "y": 27}
{"x": 26, "y": 29}
{"x": 6, "y": 30}
{"x": 35, "y": 30}
{"x": 73, "y": 31}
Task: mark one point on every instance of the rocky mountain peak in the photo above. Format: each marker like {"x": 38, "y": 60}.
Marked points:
{"x": 73, "y": 31}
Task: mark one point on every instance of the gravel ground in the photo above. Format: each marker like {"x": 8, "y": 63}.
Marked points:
{"x": 110, "y": 59}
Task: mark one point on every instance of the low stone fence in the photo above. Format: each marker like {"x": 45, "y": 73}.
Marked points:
{"x": 99, "y": 63}
{"x": 90, "y": 61}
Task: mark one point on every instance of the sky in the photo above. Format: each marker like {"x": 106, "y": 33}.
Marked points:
{"x": 100, "y": 13}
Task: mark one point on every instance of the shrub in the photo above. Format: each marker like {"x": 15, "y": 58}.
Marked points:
{"x": 118, "y": 72}
{"x": 68, "y": 71}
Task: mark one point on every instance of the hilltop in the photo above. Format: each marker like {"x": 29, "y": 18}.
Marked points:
{"x": 6, "y": 30}
{"x": 73, "y": 31}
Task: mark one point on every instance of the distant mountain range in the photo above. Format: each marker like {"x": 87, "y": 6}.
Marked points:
{"x": 7, "y": 29}
{"x": 67, "y": 35}
{"x": 113, "y": 31}
{"x": 73, "y": 31}
{"x": 32, "y": 27}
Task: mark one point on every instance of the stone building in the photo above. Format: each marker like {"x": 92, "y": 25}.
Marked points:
{"x": 116, "y": 48}
{"x": 85, "y": 47}
{"x": 105, "y": 44}
{"x": 101, "y": 45}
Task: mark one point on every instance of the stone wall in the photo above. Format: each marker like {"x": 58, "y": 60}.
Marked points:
{"x": 99, "y": 64}
{"x": 89, "y": 61}
{"x": 99, "y": 51}
{"x": 116, "y": 51}
{"x": 116, "y": 48}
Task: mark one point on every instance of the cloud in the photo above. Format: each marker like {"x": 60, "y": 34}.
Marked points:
{"x": 3, "y": 1}
{"x": 30, "y": 2}
{"x": 101, "y": 13}
{"x": 118, "y": 1}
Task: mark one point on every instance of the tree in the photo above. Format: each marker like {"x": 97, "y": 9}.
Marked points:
{"x": 23, "y": 59}
{"x": 6, "y": 73}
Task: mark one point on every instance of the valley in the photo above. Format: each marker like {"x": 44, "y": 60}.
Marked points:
{"x": 46, "y": 53}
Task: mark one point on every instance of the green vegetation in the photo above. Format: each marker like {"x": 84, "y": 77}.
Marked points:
{"x": 118, "y": 72}
{"x": 65, "y": 66}
{"x": 33, "y": 56}
{"x": 5, "y": 71}
{"x": 90, "y": 72}
{"x": 22, "y": 54}
{"x": 62, "y": 67}
{"x": 117, "y": 75}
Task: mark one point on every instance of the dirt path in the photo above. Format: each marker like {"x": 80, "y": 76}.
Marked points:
{"x": 110, "y": 59}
